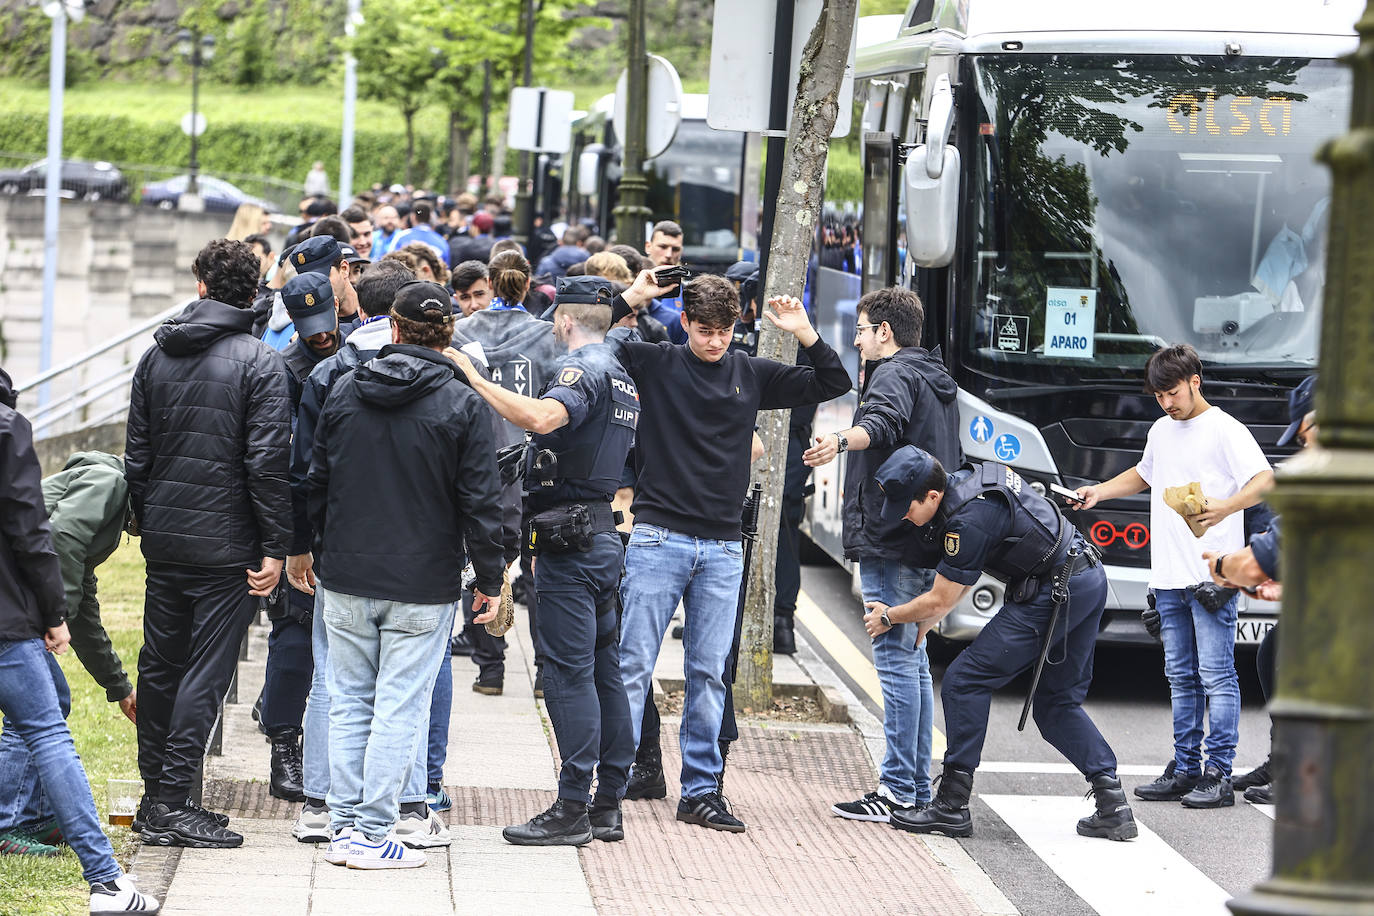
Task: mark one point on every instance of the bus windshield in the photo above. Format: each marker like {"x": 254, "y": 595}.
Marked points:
{"x": 1126, "y": 203}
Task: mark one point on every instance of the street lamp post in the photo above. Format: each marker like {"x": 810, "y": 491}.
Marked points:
{"x": 630, "y": 211}
{"x": 197, "y": 49}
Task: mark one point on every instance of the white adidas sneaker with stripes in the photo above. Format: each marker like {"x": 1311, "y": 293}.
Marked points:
{"x": 388, "y": 852}
{"x": 126, "y": 898}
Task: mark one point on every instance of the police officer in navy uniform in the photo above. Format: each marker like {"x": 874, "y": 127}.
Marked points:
{"x": 584, "y": 423}
{"x": 987, "y": 519}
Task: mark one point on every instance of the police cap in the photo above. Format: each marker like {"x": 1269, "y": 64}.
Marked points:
{"x": 309, "y": 300}
{"x": 588, "y": 290}
{"x": 900, "y": 478}
{"x": 1300, "y": 401}
{"x": 316, "y": 254}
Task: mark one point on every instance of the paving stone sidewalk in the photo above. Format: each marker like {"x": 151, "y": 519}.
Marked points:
{"x": 795, "y": 857}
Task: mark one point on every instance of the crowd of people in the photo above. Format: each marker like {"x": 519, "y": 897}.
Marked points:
{"x": 396, "y": 427}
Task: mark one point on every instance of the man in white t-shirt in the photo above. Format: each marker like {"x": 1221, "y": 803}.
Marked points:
{"x": 1202, "y": 443}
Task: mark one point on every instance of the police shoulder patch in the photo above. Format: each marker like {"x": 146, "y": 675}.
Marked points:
{"x": 951, "y": 544}
{"x": 569, "y": 376}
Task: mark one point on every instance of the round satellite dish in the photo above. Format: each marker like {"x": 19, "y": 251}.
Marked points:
{"x": 665, "y": 106}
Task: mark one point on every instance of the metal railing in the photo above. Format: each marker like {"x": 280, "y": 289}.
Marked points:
{"x": 92, "y": 401}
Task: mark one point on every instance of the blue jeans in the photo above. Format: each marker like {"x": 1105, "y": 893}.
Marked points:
{"x": 315, "y": 752}
{"x": 904, "y": 674}
{"x": 661, "y": 568}
{"x": 21, "y": 792}
{"x": 1200, "y": 663}
{"x": 440, "y": 708}
{"x": 29, "y": 699}
{"x": 383, "y": 658}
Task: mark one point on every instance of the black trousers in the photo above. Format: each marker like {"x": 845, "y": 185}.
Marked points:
{"x": 286, "y": 684}
{"x": 578, "y": 598}
{"x": 1264, "y": 662}
{"x": 488, "y": 652}
{"x": 1010, "y": 644}
{"x": 194, "y": 620}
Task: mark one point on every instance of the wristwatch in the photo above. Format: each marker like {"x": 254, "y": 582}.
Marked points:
{"x": 887, "y": 621}
{"x": 841, "y": 444}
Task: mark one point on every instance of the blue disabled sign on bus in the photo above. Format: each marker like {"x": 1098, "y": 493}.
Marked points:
{"x": 1007, "y": 447}
{"x": 1070, "y": 322}
{"x": 980, "y": 430}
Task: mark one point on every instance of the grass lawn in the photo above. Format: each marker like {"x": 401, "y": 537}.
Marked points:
{"x": 167, "y": 102}
{"x": 105, "y": 740}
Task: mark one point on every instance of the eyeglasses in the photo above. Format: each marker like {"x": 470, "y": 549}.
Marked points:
{"x": 860, "y": 328}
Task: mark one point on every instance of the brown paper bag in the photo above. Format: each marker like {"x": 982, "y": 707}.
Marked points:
{"x": 1187, "y": 501}
{"x": 505, "y": 609}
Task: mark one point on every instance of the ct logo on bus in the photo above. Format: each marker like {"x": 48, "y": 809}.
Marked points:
{"x": 1105, "y": 534}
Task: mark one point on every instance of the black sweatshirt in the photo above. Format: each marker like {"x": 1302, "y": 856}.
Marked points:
{"x": 697, "y": 426}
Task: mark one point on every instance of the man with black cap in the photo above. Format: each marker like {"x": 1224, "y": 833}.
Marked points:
{"x": 322, "y": 254}
{"x": 309, "y": 300}
{"x": 388, "y": 608}
{"x": 987, "y": 519}
{"x": 584, "y": 424}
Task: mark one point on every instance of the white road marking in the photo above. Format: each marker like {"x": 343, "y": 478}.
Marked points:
{"x": 1029, "y": 766}
{"x": 1267, "y": 810}
{"x": 1142, "y": 877}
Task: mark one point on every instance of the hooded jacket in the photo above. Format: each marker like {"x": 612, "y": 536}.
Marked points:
{"x": 521, "y": 351}
{"x": 31, "y": 598}
{"x": 402, "y": 475}
{"x": 907, "y": 399}
{"x": 88, "y": 505}
{"x": 208, "y": 442}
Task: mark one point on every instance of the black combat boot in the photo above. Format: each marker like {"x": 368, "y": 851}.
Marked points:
{"x": 564, "y": 824}
{"x": 287, "y": 776}
{"x": 784, "y": 637}
{"x": 646, "y": 776}
{"x": 607, "y": 823}
{"x": 1113, "y": 819}
{"x": 1172, "y": 786}
{"x": 948, "y": 814}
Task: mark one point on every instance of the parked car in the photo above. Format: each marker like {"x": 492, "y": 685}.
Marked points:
{"x": 218, "y": 194}
{"x": 80, "y": 179}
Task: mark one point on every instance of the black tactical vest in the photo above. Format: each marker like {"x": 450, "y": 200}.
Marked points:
{"x": 1039, "y": 535}
{"x": 589, "y": 457}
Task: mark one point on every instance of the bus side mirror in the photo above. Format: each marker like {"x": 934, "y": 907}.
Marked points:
{"x": 588, "y": 167}
{"x": 932, "y": 206}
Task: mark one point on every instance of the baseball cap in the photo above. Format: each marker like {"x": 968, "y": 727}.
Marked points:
{"x": 483, "y": 221}
{"x": 309, "y": 300}
{"x": 284, "y": 254}
{"x": 421, "y": 300}
{"x": 350, "y": 254}
{"x": 1300, "y": 401}
{"x": 900, "y": 477}
{"x": 316, "y": 254}
{"x": 594, "y": 290}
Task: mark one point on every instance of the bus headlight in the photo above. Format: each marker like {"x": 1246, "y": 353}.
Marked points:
{"x": 983, "y": 599}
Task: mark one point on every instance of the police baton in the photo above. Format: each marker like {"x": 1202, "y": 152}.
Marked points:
{"x": 749, "y": 529}
{"x": 1061, "y": 598}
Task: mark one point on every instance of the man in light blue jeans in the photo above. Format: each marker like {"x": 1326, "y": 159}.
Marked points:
{"x": 660, "y": 566}
{"x": 404, "y": 431}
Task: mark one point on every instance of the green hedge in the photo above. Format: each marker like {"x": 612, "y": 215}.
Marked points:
{"x": 285, "y": 151}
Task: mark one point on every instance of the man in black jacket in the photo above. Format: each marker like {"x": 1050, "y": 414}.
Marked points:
{"x": 907, "y": 398}
{"x": 694, "y": 442}
{"x": 206, "y": 459}
{"x": 405, "y": 430}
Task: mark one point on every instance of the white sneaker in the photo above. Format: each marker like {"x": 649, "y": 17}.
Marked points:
{"x": 337, "y": 853}
{"x": 312, "y": 825}
{"x": 422, "y": 831}
{"x": 126, "y": 899}
{"x": 388, "y": 852}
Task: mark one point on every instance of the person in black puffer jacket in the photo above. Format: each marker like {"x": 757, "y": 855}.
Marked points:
{"x": 206, "y": 460}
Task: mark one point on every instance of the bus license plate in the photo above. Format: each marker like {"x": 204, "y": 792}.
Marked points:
{"x": 1250, "y": 631}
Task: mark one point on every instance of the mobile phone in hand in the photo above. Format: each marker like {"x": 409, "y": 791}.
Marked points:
{"x": 666, "y": 276}
{"x": 1066, "y": 493}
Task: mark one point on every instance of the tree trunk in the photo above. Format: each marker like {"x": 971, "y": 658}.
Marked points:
{"x": 498, "y": 154}
{"x": 798, "y": 208}
{"x": 463, "y": 143}
{"x": 452, "y": 175}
